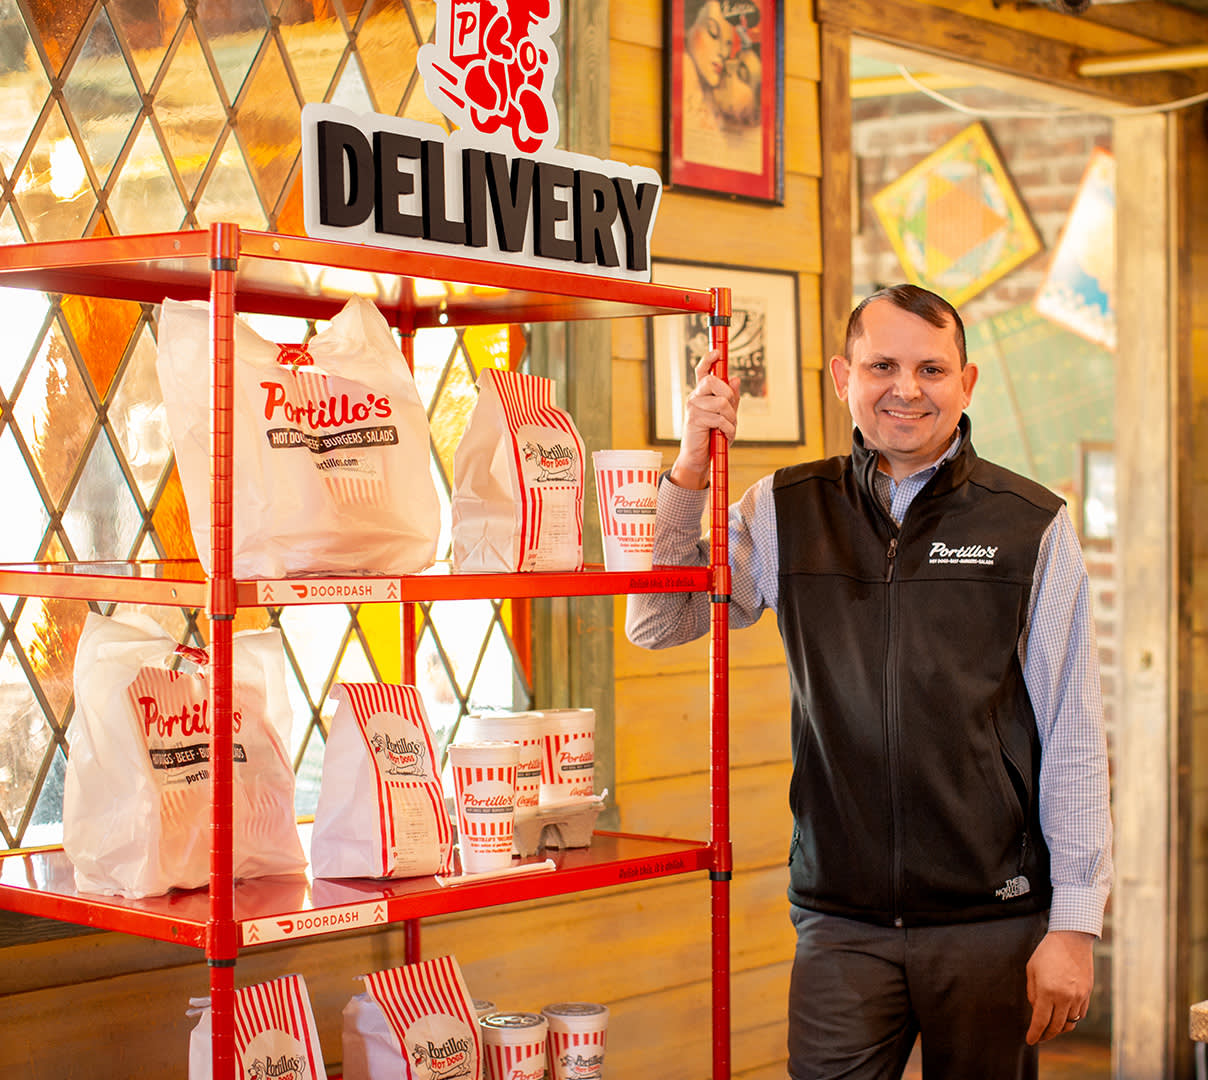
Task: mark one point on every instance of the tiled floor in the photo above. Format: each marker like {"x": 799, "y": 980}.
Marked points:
{"x": 1069, "y": 1057}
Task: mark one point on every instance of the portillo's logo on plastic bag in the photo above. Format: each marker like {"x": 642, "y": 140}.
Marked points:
{"x": 498, "y": 188}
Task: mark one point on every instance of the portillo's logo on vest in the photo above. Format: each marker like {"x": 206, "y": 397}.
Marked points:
{"x": 496, "y": 189}
{"x": 966, "y": 554}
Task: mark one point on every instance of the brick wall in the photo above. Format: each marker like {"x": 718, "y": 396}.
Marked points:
{"x": 1045, "y": 157}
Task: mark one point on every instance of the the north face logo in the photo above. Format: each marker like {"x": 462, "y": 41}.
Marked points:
{"x": 1017, "y": 886}
{"x": 976, "y": 554}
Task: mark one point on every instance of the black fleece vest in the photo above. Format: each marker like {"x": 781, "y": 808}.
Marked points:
{"x": 915, "y": 752}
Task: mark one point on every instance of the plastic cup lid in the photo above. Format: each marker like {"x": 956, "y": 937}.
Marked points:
{"x": 513, "y": 1021}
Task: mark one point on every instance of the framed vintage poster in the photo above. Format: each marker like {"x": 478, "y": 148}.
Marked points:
{"x": 1079, "y": 286}
{"x": 724, "y": 97}
{"x": 763, "y": 352}
{"x": 955, "y": 219}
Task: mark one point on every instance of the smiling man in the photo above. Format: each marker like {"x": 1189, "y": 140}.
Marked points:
{"x": 950, "y": 853}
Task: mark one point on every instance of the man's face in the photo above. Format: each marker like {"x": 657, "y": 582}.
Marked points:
{"x": 904, "y": 386}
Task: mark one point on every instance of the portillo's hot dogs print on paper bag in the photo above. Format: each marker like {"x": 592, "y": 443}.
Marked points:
{"x": 332, "y": 445}
{"x": 136, "y": 794}
{"x": 275, "y": 1034}
{"x": 381, "y": 810}
{"x": 416, "y": 1021}
{"x": 517, "y": 480}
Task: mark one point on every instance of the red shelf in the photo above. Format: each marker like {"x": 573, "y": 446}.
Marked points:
{"x": 288, "y": 908}
{"x": 293, "y": 275}
{"x": 182, "y": 584}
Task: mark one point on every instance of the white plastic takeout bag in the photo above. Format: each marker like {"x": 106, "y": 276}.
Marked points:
{"x": 331, "y": 470}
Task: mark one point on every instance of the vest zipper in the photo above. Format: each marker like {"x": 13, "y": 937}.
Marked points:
{"x": 891, "y": 732}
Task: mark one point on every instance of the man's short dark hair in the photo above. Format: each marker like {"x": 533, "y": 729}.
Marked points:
{"x": 925, "y": 304}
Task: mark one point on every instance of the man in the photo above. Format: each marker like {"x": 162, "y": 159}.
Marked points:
{"x": 950, "y": 858}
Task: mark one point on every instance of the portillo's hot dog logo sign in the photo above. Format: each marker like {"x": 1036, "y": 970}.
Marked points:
{"x": 497, "y": 188}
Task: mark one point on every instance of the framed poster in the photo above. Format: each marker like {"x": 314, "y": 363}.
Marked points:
{"x": 955, "y": 220}
{"x": 764, "y": 353}
{"x": 1079, "y": 287}
{"x": 724, "y": 97}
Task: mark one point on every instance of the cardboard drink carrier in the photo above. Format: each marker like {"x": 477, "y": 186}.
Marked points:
{"x": 136, "y": 794}
{"x": 517, "y": 480}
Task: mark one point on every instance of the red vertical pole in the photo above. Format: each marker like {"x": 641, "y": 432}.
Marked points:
{"x": 411, "y": 928}
{"x": 719, "y": 681}
{"x": 222, "y": 943}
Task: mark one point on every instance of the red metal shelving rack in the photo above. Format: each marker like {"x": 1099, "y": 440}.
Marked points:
{"x": 275, "y": 274}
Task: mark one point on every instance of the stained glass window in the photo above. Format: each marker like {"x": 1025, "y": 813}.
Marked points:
{"x": 134, "y": 116}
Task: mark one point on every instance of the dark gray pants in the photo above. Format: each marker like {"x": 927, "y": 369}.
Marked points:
{"x": 861, "y": 995}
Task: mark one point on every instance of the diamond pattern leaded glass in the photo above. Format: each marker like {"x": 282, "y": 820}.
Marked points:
{"x": 131, "y": 116}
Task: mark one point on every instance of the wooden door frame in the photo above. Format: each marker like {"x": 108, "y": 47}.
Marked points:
{"x": 1150, "y": 975}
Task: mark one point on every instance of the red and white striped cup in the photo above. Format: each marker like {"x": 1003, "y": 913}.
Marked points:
{"x": 569, "y": 758}
{"x": 523, "y": 728}
{"x": 626, "y": 490}
{"x": 514, "y": 1045}
{"x": 484, "y": 783}
{"x": 578, "y": 1031}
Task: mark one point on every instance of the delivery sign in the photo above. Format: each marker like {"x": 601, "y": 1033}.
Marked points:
{"x": 498, "y": 188}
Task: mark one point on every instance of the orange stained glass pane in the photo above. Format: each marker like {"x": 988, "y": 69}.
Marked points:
{"x": 100, "y": 227}
{"x": 488, "y": 347}
{"x": 171, "y": 521}
{"x": 102, "y": 330}
{"x": 101, "y": 97}
{"x": 189, "y": 110}
{"x": 387, "y": 44}
{"x": 51, "y": 646}
{"x": 451, "y": 414}
{"x": 314, "y": 50}
{"x": 54, "y": 413}
{"x": 270, "y": 125}
{"x": 291, "y": 214}
{"x": 53, "y": 189}
{"x": 145, "y": 197}
{"x": 229, "y": 193}
{"x": 147, "y": 28}
{"x": 58, "y": 22}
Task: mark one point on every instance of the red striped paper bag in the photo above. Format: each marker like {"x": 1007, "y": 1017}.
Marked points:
{"x": 417, "y": 1021}
{"x": 517, "y": 480}
{"x": 275, "y": 1034}
{"x": 381, "y": 810}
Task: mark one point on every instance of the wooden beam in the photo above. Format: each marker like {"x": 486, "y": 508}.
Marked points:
{"x": 1144, "y": 1029}
{"x": 836, "y": 207}
{"x": 1012, "y": 52}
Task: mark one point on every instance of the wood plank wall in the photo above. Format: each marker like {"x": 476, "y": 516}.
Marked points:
{"x": 661, "y": 698}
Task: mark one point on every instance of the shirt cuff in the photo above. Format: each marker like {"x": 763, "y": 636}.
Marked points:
{"x": 1078, "y": 907}
{"x": 680, "y": 507}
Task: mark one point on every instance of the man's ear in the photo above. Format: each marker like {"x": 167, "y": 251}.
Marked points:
{"x": 840, "y": 370}
{"x": 968, "y": 381}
